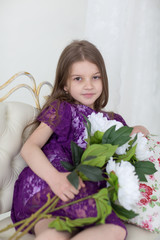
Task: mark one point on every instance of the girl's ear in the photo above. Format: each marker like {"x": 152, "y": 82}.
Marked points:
{"x": 65, "y": 89}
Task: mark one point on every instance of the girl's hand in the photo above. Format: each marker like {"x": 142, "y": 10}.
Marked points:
{"x": 63, "y": 188}
{"x": 141, "y": 129}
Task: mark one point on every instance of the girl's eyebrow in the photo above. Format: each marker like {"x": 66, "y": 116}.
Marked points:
{"x": 73, "y": 75}
{"x": 97, "y": 73}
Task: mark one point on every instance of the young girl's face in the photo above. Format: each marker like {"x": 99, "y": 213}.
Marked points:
{"x": 84, "y": 83}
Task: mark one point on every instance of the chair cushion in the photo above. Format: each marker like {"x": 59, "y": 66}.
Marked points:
{"x": 14, "y": 116}
{"x": 136, "y": 233}
{"x": 5, "y": 235}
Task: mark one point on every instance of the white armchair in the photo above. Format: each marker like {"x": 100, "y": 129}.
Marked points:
{"x": 14, "y": 116}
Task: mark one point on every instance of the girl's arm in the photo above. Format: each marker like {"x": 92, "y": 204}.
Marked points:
{"x": 34, "y": 156}
{"x": 136, "y": 129}
{"x": 39, "y": 163}
{"x": 142, "y": 129}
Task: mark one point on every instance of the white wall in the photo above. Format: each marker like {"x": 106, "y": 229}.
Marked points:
{"x": 128, "y": 35}
{"x": 33, "y": 34}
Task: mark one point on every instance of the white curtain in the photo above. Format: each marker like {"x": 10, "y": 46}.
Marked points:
{"x": 127, "y": 32}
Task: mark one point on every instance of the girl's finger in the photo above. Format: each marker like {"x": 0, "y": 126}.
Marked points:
{"x": 69, "y": 194}
{"x": 81, "y": 183}
{"x": 74, "y": 191}
{"x": 63, "y": 197}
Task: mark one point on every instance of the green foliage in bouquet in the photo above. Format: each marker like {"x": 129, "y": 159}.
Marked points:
{"x": 101, "y": 146}
{"x": 103, "y": 210}
{"x": 144, "y": 168}
{"x": 90, "y": 165}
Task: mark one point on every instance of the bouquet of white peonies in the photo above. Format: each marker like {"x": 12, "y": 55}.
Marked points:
{"x": 111, "y": 155}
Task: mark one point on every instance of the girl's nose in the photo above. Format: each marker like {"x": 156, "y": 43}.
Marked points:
{"x": 88, "y": 84}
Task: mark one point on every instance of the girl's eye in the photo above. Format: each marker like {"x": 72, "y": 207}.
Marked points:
{"x": 77, "y": 78}
{"x": 96, "y": 77}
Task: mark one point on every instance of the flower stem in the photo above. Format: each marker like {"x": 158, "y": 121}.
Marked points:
{"x": 71, "y": 203}
{"x": 43, "y": 212}
{"x": 43, "y": 215}
{"x": 33, "y": 216}
{"x": 12, "y": 225}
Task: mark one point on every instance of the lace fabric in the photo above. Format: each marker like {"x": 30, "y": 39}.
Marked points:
{"x": 31, "y": 191}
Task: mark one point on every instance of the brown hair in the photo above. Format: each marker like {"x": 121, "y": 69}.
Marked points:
{"x": 78, "y": 51}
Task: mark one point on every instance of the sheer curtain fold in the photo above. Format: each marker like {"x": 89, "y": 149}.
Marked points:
{"x": 127, "y": 32}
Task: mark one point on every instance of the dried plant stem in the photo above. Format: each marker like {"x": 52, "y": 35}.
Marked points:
{"x": 30, "y": 226}
{"x": 50, "y": 204}
{"x": 35, "y": 217}
{"x": 71, "y": 203}
{"x": 12, "y": 225}
{"x": 43, "y": 212}
{"x": 38, "y": 217}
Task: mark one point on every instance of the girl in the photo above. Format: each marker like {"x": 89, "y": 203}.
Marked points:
{"x": 81, "y": 87}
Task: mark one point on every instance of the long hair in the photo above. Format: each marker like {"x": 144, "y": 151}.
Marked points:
{"x": 78, "y": 51}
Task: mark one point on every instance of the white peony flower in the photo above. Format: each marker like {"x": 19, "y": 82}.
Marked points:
{"x": 142, "y": 150}
{"x": 128, "y": 192}
{"x": 101, "y": 123}
{"x": 111, "y": 166}
{"x": 111, "y": 123}
{"x": 122, "y": 149}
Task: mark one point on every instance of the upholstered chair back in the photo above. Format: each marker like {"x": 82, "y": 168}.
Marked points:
{"x": 14, "y": 117}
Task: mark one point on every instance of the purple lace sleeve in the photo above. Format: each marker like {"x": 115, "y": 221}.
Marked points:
{"x": 115, "y": 116}
{"x": 119, "y": 118}
{"x": 56, "y": 116}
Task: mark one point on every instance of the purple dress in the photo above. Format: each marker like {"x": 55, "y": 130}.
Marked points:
{"x": 31, "y": 191}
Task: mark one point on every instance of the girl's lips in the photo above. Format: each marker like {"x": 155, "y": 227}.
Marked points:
{"x": 88, "y": 95}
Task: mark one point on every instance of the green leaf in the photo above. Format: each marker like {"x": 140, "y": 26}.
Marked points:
{"x": 89, "y": 158}
{"x": 80, "y": 222}
{"x": 76, "y": 153}
{"x": 123, "y": 213}
{"x": 88, "y": 127}
{"x": 103, "y": 210}
{"x": 73, "y": 179}
{"x": 129, "y": 154}
{"x": 114, "y": 186}
{"x": 133, "y": 141}
{"x": 71, "y": 225}
{"x": 122, "y": 136}
{"x": 96, "y": 161}
{"x": 144, "y": 167}
{"x": 67, "y": 166}
{"x": 92, "y": 173}
{"x": 103, "y": 204}
{"x": 102, "y": 152}
{"x": 60, "y": 225}
{"x": 102, "y": 194}
{"x": 119, "y": 137}
{"x": 108, "y": 135}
